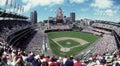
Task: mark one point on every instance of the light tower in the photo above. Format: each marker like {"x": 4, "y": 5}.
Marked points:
{"x": 59, "y": 16}
{"x": 59, "y": 13}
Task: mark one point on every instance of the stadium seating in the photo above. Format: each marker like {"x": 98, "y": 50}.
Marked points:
{"x": 104, "y": 52}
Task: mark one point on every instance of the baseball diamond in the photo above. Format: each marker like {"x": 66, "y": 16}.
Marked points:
{"x": 70, "y": 43}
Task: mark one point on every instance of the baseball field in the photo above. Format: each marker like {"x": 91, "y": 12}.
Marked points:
{"x": 70, "y": 43}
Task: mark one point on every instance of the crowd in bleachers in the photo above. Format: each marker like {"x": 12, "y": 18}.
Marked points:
{"x": 35, "y": 45}
{"x": 103, "y": 54}
{"x": 107, "y": 26}
{"x": 90, "y": 30}
{"x": 16, "y": 57}
{"x": 105, "y": 44}
{"x": 95, "y": 31}
{"x": 8, "y": 27}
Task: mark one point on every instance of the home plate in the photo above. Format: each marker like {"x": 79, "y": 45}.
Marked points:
{"x": 65, "y": 49}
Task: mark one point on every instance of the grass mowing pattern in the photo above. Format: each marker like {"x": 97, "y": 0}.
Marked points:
{"x": 56, "y": 49}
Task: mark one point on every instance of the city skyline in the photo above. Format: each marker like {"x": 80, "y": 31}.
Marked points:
{"x": 91, "y": 9}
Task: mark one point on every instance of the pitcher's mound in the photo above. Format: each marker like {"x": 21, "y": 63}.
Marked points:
{"x": 68, "y": 42}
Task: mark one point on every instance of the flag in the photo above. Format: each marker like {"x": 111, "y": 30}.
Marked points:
{"x": 6, "y": 2}
{"x": 18, "y": 7}
{"x": 11, "y": 3}
{"x": 22, "y": 9}
{"x": 14, "y": 5}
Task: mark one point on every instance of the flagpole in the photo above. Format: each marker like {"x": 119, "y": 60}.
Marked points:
{"x": 6, "y": 3}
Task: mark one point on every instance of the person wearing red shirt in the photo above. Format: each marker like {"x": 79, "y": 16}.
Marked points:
{"x": 77, "y": 63}
{"x": 53, "y": 62}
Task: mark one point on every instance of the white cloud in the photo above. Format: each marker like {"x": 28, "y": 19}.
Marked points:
{"x": 8, "y": 10}
{"x": 27, "y": 7}
{"x": 117, "y": 20}
{"x": 2, "y": 2}
{"x": 109, "y": 12}
{"x": 25, "y": 1}
{"x": 106, "y": 14}
{"x": 116, "y": 8}
{"x": 102, "y": 3}
{"x": 34, "y": 3}
{"x": 98, "y": 12}
{"x": 77, "y": 1}
{"x": 13, "y": 10}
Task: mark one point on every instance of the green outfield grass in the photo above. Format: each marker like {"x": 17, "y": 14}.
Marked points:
{"x": 56, "y": 49}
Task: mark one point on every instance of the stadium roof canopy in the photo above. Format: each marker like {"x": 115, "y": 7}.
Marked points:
{"x": 11, "y": 15}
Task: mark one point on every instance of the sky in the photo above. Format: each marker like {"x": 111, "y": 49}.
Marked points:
{"x": 91, "y": 9}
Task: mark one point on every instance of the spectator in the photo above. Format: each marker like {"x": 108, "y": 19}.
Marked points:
{"x": 19, "y": 59}
{"x": 60, "y": 62}
{"x": 69, "y": 62}
{"x": 36, "y": 61}
{"x": 30, "y": 57}
{"x": 103, "y": 61}
{"x": 53, "y": 61}
{"x": 45, "y": 63}
{"x": 77, "y": 63}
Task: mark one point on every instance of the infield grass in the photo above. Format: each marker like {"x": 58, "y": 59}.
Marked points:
{"x": 74, "y": 51}
{"x": 68, "y": 43}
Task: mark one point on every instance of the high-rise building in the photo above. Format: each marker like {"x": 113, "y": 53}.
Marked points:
{"x": 33, "y": 17}
{"x": 72, "y": 17}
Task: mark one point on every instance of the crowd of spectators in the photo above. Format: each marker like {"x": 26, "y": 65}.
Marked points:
{"x": 107, "y": 26}
{"x": 16, "y": 57}
{"x": 105, "y": 44}
{"x": 89, "y": 29}
{"x": 95, "y": 31}
{"x": 35, "y": 45}
{"x": 8, "y": 27}
{"x": 103, "y": 54}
